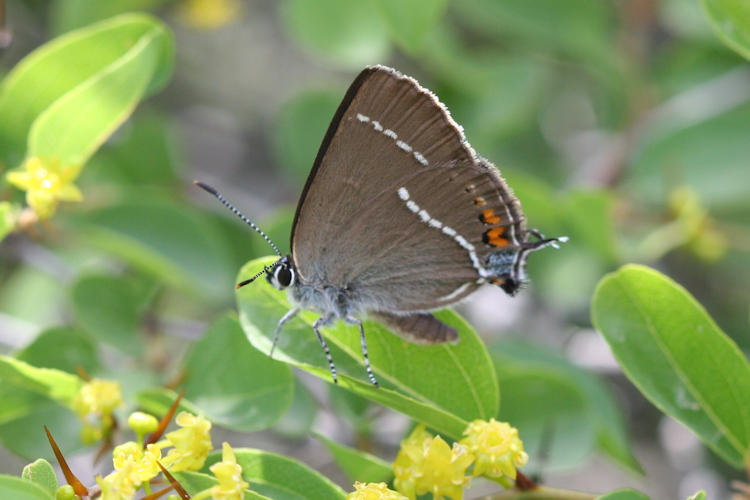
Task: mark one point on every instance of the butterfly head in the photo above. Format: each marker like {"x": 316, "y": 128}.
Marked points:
{"x": 282, "y": 274}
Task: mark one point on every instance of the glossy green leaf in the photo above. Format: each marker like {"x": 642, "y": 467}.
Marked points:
{"x": 698, "y": 495}
{"x": 234, "y": 384}
{"x": 280, "y": 477}
{"x": 300, "y": 126}
{"x": 7, "y": 218}
{"x": 157, "y": 401}
{"x": 577, "y": 400}
{"x": 77, "y": 123}
{"x": 41, "y": 473}
{"x": 446, "y": 384}
{"x": 411, "y": 23}
{"x": 731, "y": 22}
{"x": 624, "y": 494}
{"x": 55, "y": 384}
{"x": 195, "y": 482}
{"x": 358, "y": 465}
{"x": 350, "y": 34}
{"x": 76, "y": 67}
{"x": 107, "y": 307}
{"x": 672, "y": 350}
{"x": 20, "y": 489}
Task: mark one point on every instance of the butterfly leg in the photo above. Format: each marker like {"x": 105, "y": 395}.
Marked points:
{"x": 354, "y": 321}
{"x": 289, "y": 315}
{"x": 322, "y": 321}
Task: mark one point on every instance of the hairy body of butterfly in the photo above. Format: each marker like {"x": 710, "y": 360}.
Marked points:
{"x": 399, "y": 216}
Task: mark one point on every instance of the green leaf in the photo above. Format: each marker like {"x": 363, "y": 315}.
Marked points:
{"x": 698, "y": 495}
{"x": 77, "y": 123}
{"x": 624, "y": 494}
{"x": 299, "y": 418}
{"x": 25, "y": 436}
{"x": 731, "y": 22}
{"x": 280, "y": 477}
{"x": 358, "y": 465}
{"x": 447, "y": 384}
{"x": 54, "y": 384}
{"x": 549, "y": 411}
{"x": 195, "y": 482}
{"x": 70, "y": 15}
{"x": 78, "y": 62}
{"x": 41, "y": 472}
{"x": 708, "y": 156}
{"x": 107, "y": 307}
{"x": 349, "y": 34}
{"x": 61, "y": 348}
{"x": 7, "y": 219}
{"x": 672, "y": 350}
{"x": 589, "y": 410}
{"x": 178, "y": 245}
{"x": 141, "y": 154}
{"x": 300, "y": 126}
{"x": 20, "y": 489}
{"x": 411, "y": 23}
{"x": 236, "y": 385}
{"x": 157, "y": 401}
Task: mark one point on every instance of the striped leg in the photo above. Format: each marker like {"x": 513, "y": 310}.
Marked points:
{"x": 354, "y": 321}
{"x": 289, "y": 315}
{"x": 322, "y": 321}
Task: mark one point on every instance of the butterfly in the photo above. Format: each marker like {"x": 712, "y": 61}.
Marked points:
{"x": 399, "y": 216}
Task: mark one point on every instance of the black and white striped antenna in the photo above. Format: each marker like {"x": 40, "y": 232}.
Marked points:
{"x": 236, "y": 212}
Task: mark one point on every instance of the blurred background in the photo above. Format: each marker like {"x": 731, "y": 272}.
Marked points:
{"x": 622, "y": 124}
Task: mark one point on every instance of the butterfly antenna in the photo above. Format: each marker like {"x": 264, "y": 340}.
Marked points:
{"x": 236, "y": 212}
{"x": 265, "y": 270}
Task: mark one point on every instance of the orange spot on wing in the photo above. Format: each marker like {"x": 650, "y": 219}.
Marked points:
{"x": 479, "y": 201}
{"x": 488, "y": 217}
{"x": 494, "y": 237}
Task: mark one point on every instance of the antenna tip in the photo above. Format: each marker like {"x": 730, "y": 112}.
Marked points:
{"x": 205, "y": 187}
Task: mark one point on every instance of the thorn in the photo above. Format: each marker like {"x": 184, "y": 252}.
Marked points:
{"x": 177, "y": 486}
{"x": 71, "y": 478}
{"x": 154, "y": 437}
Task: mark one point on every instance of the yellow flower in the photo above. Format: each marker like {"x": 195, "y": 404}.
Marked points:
{"x": 94, "y": 404}
{"x": 428, "y": 465}
{"x": 191, "y": 444}
{"x": 120, "y": 484}
{"x": 229, "y": 473}
{"x": 497, "y": 448}
{"x": 208, "y": 14}
{"x": 144, "y": 461}
{"x": 46, "y": 182}
{"x": 373, "y": 491}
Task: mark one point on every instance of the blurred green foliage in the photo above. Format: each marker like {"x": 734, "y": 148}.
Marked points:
{"x": 620, "y": 124}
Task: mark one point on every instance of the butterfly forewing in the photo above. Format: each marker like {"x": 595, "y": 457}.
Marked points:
{"x": 392, "y": 164}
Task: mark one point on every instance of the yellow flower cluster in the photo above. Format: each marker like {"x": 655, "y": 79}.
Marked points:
{"x": 191, "y": 444}
{"x": 46, "y": 182}
{"x": 94, "y": 404}
{"x": 496, "y": 448}
{"x": 426, "y": 464}
{"x": 229, "y": 474}
{"x": 373, "y": 491}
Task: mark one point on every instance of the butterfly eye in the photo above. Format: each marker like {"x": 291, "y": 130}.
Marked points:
{"x": 283, "y": 276}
